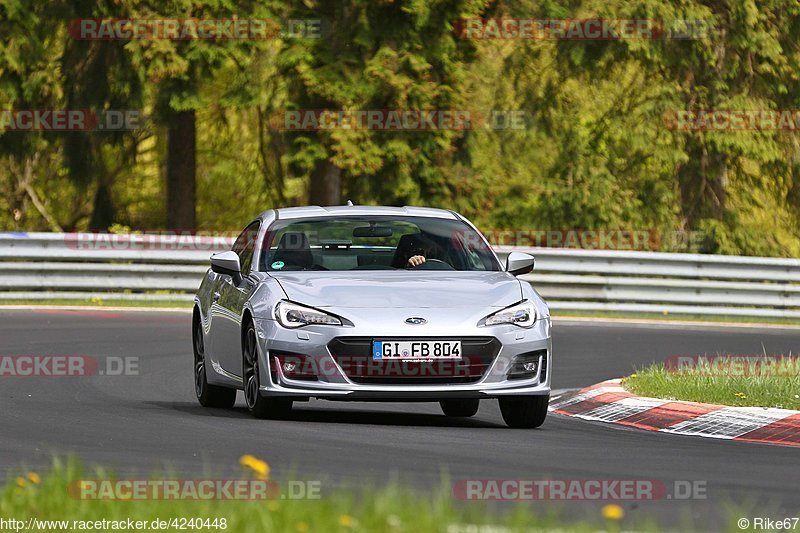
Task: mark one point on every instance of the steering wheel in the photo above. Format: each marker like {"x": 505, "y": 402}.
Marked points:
{"x": 433, "y": 264}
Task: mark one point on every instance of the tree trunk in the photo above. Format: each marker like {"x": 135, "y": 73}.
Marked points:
{"x": 690, "y": 183}
{"x": 103, "y": 209}
{"x": 181, "y": 171}
{"x": 719, "y": 185}
{"x": 325, "y": 187}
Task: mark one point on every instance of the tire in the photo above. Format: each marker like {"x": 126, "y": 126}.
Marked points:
{"x": 460, "y": 408}
{"x": 207, "y": 395}
{"x": 258, "y": 405}
{"x": 524, "y": 411}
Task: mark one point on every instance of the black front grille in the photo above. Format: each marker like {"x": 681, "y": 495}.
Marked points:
{"x": 354, "y": 356}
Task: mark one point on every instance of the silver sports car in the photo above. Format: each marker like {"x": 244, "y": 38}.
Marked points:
{"x": 371, "y": 304}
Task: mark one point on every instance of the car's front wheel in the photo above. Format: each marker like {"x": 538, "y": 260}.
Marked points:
{"x": 258, "y": 405}
{"x": 461, "y": 408}
{"x": 524, "y": 411}
{"x": 207, "y": 395}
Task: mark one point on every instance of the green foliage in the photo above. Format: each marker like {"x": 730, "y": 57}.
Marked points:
{"x": 392, "y": 55}
{"x": 597, "y": 150}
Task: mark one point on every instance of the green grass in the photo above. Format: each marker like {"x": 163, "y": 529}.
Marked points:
{"x": 100, "y": 302}
{"x": 677, "y": 317}
{"x": 392, "y": 508}
{"x": 389, "y": 509}
{"x": 726, "y": 381}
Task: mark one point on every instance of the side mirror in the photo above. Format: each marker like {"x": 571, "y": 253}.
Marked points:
{"x": 227, "y": 264}
{"x": 519, "y": 263}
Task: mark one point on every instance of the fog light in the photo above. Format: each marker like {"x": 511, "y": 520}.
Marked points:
{"x": 525, "y": 366}
{"x": 295, "y": 366}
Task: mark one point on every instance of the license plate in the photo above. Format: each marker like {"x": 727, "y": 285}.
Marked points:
{"x": 416, "y": 350}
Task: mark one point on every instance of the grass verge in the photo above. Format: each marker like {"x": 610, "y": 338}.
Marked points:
{"x": 737, "y": 381}
{"x": 667, "y": 317}
{"x": 100, "y": 302}
{"x": 52, "y": 497}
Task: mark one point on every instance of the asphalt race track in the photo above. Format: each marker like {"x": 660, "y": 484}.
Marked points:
{"x": 151, "y": 421}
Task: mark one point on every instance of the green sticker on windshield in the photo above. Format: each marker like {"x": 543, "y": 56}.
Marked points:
{"x": 277, "y": 265}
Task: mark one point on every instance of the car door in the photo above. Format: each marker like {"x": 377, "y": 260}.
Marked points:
{"x": 231, "y": 299}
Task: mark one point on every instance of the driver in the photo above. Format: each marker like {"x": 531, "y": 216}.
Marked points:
{"x": 412, "y": 251}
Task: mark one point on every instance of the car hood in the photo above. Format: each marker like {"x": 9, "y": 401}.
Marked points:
{"x": 400, "y": 289}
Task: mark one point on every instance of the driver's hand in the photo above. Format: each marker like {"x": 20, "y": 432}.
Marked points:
{"x": 416, "y": 260}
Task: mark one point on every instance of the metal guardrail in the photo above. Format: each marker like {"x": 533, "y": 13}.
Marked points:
{"x": 39, "y": 266}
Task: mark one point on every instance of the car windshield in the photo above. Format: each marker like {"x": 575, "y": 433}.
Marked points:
{"x": 375, "y": 243}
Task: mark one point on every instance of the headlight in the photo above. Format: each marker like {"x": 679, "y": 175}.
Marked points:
{"x": 522, "y": 314}
{"x": 292, "y": 315}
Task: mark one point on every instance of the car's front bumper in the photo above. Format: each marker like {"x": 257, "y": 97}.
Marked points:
{"x": 333, "y": 382}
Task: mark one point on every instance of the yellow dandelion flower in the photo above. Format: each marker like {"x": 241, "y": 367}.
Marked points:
{"x": 21, "y": 482}
{"x": 346, "y": 521}
{"x": 261, "y": 468}
{"x": 301, "y": 527}
{"x": 34, "y": 478}
{"x": 612, "y": 512}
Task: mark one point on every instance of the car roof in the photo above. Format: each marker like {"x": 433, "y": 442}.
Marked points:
{"x": 314, "y": 211}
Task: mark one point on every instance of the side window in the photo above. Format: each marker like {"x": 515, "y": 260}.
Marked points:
{"x": 245, "y": 245}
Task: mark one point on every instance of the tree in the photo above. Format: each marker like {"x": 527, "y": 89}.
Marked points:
{"x": 376, "y": 56}
{"x": 178, "y": 69}
{"x": 99, "y": 76}
{"x": 49, "y": 69}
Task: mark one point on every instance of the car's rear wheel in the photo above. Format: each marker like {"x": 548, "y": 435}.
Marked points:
{"x": 258, "y": 405}
{"x": 524, "y": 411}
{"x": 461, "y": 408}
{"x": 207, "y": 395}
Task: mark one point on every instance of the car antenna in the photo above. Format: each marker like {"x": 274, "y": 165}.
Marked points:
{"x": 349, "y": 203}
